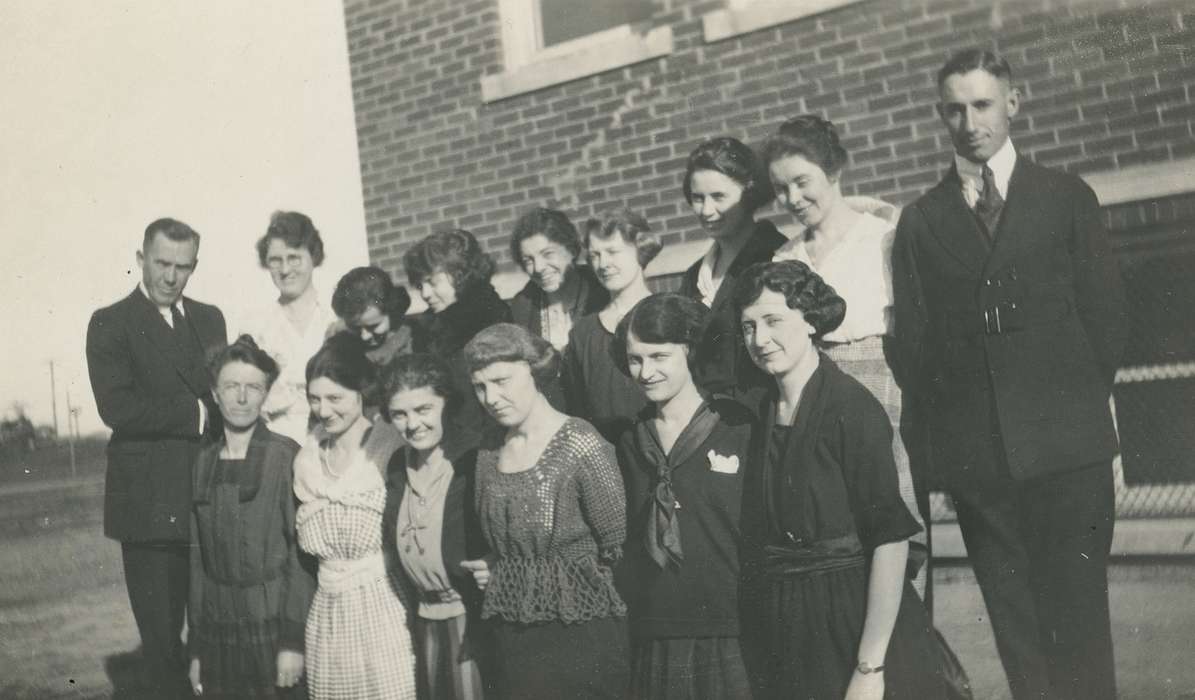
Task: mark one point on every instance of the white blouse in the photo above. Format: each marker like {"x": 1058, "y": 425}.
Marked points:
{"x": 285, "y": 409}
{"x": 859, "y": 268}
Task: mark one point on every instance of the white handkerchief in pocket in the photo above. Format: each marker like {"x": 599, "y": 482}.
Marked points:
{"x": 723, "y": 464}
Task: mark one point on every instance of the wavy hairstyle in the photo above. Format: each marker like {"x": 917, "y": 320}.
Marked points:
{"x": 633, "y": 229}
{"x": 295, "y": 230}
{"x": 418, "y": 371}
{"x": 802, "y": 288}
{"x": 342, "y": 359}
{"x": 363, "y": 287}
{"x": 549, "y": 223}
{"x": 456, "y": 253}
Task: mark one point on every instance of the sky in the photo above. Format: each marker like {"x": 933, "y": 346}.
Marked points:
{"x": 116, "y": 112}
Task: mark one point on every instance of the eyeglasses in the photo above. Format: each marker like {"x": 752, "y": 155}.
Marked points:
{"x": 235, "y": 388}
{"x": 278, "y": 263}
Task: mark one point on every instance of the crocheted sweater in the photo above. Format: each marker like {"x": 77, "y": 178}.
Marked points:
{"x": 555, "y": 529}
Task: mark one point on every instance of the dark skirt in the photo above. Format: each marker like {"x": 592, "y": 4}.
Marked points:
{"x": 800, "y": 638}
{"x": 553, "y": 660}
{"x": 689, "y": 668}
{"x": 450, "y": 662}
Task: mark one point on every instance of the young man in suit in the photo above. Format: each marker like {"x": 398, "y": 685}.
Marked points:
{"x": 1011, "y": 320}
{"x": 146, "y": 356}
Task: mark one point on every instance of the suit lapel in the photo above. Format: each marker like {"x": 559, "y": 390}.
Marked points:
{"x": 161, "y": 336}
{"x": 958, "y": 231}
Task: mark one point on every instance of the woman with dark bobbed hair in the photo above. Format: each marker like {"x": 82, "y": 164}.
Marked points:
{"x": 725, "y": 186}
{"x": 620, "y": 245}
{"x": 561, "y": 289}
{"x": 293, "y": 327}
{"x": 430, "y": 522}
{"x": 683, "y": 463}
{"x": 452, "y": 274}
{"x": 358, "y": 643}
{"x": 553, "y": 512}
{"x": 849, "y": 244}
{"x": 826, "y": 609}
{"x": 373, "y": 308}
{"x": 249, "y": 589}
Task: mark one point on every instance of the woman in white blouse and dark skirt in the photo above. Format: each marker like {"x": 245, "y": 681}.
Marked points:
{"x": 431, "y": 522}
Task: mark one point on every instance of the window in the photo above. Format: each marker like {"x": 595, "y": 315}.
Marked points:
{"x": 742, "y": 16}
{"x": 546, "y": 42}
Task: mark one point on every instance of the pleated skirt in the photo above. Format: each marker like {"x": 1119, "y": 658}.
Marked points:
{"x": 688, "y": 668}
{"x": 450, "y": 659}
{"x": 800, "y": 638}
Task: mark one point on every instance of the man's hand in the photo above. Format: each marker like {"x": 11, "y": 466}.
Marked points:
{"x": 480, "y": 568}
{"x": 193, "y": 675}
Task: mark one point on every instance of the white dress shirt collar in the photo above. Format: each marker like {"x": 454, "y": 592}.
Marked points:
{"x": 971, "y": 174}
{"x": 163, "y": 310}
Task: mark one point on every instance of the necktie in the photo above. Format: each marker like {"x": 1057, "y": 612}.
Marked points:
{"x": 989, "y": 204}
{"x": 179, "y": 323}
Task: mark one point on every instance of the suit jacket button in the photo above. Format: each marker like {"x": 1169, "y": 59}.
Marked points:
{"x": 173, "y": 518}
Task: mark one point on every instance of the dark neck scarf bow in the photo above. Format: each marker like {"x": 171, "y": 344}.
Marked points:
{"x": 662, "y": 535}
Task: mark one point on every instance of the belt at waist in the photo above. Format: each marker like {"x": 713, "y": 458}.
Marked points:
{"x": 266, "y": 577}
{"x": 448, "y": 595}
{"x": 798, "y": 558}
{"x": 1004, "y": 317}
{"x": 339, "y": 575}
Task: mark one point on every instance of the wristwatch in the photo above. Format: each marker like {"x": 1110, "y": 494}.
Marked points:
{"x": 866, "y": 668}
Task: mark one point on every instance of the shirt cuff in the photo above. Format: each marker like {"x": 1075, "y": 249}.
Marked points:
{"x": 202, "y": 415}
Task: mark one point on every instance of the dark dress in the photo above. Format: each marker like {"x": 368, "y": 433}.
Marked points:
{"x": 445, "y": 335}
{"x": 439, "y": 648}
{"x": 818, "y": 498}
{"x": 722, "y": 364}
{"x": 595, "y": 388}
{"x": 527, "y": 306}
{"x": 250, "y": 586}
{"x": 684, "y": 613}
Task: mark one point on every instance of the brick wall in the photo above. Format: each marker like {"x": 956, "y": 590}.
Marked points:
{"x": 1106, "y": 87}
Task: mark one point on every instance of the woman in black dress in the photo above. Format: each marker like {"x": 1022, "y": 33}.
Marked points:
{"x": 682, "y": 464}
{"x": 827, "y": 611}
{"x": 249, "y": 588}
{"x": 725, "y": 185}
{"x": 452, "y": 274}
{"x": 430, "y": 521}
{"x": 620, "y": 246}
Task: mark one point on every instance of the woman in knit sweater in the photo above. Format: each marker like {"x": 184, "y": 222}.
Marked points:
{"x": 553, "y": 512}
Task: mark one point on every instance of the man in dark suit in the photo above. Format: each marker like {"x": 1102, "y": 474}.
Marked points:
{"x": 146, "y": 359}
{"x": 1011, "y": 321}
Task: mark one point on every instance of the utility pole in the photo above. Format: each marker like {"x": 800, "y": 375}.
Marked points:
{"x": 70, "y": 418}
{"x": 53, "y": 399}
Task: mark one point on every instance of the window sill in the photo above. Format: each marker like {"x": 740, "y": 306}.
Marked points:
{"x": 724, "y": 24}
{"x": 591, "y": 60}
{"x": 1141, "y": 182}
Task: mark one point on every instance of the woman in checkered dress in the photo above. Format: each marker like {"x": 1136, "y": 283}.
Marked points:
{"x": 358, "y": 642}
{"x": 849, "y": 244}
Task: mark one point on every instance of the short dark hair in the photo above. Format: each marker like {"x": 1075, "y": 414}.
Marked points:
{"x": 416, "y": 371}
{"x": 508, "y": 342}
{"x": 663, "y": 318}
{"x": 243, "y": 349}
{"x": 342, "y": 359}
{"x": 803, "y": 290}
{"x": 633, "y": 228}
{"x": 363, "y": 287}
{"x": 296, "y": 231}
{"x": 809, "y": 136}
{"x": 172, "y": 229}
{"x": 456, "y": 253}
{"x": 735, "y": 160}
{"x": 967, "y": 60}
{"x": 551, "y": 224}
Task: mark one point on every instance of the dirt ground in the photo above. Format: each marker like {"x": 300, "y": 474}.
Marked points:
{"x": 66, "y": 630}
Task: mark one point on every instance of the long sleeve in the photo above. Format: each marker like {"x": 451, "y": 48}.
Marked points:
{"x": 572, "y": 379}
{"x": 909, "y": 313}
{"x": 123, "y": 404}
{"x": 603, "y": 500}
{"x": 300, "y": 580}
{"x": 1099, "y": 293}
{"x": 195, "y": 595}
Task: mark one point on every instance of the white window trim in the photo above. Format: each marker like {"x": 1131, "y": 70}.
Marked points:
{"x": 743, "y": 16}
{"x": 1140, "y": 182}
{"x": 527, "y": 67}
